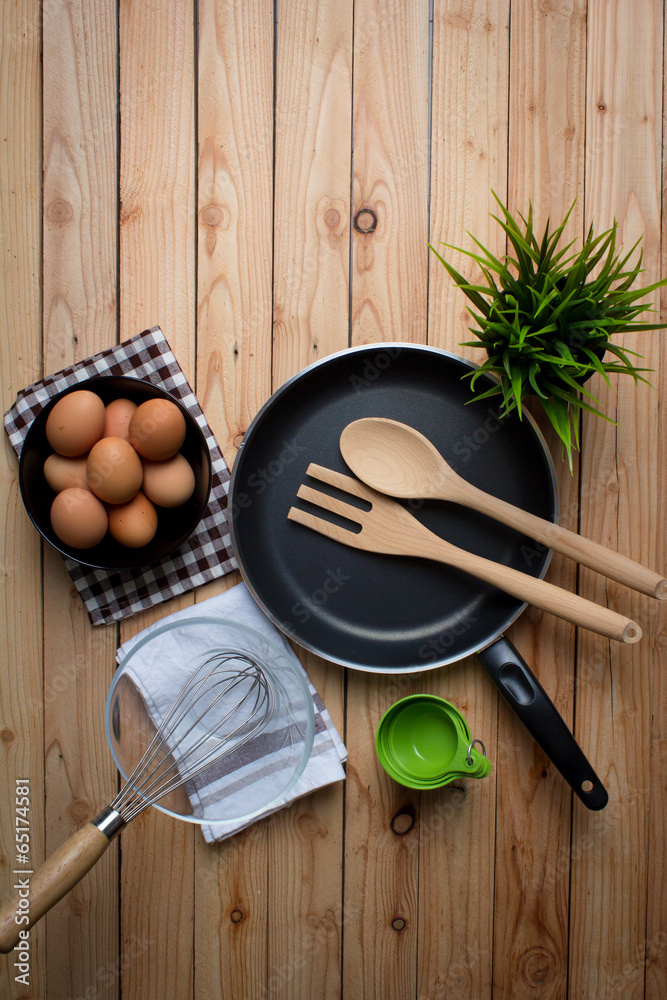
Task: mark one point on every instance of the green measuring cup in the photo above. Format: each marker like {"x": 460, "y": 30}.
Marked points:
{"x": 424, "y": 742}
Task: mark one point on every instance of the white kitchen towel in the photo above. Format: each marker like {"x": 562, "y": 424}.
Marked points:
{"x": 328, "y": 754}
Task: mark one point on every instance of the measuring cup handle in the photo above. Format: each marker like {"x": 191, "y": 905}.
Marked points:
{"x": 524, "y": 693}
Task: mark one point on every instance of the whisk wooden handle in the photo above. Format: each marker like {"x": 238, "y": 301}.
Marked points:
{"x": 51, "y": 882}
{"x": 538, "y": 592}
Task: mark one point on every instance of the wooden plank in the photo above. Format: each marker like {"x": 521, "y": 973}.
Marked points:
{"x": 468, "y": 158}
{"x": 310, "y": 320}
{"x": 21, "y": 674}
{"x": 312, "y": 187}
{"x": 157, "y": 287}
{"x": 533, "y": 824}
{"x": 390, "y": 171}
{"x": 234, "y": 296}
{"x": 656, "y": 920}
{"x": 381, "y": 905}
{"x": 468, "y": 151}
{"x": 620, "y": 476}
{"x": 546, "y": 110}
{"x": 305, "y": 848}
{"x": 388, "y": 302}
{"x": 234, "y": 216}
{"x": 79, "y": 275}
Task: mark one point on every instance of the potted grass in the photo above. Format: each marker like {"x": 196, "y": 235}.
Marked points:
{"x": 547, "y": 316}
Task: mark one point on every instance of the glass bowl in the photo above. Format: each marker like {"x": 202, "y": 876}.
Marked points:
{"x": 255, "y": 778}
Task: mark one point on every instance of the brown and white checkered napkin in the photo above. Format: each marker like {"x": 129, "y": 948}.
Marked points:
{"x": 207, "y": 553}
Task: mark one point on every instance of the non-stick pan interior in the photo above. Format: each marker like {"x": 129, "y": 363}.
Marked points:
{"x": 362, "y": 609}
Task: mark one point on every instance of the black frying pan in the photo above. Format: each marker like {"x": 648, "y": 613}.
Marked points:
{"x": 380, "y": 613}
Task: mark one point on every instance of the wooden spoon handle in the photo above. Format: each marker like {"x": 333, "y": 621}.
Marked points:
{"x": 538, "y": 592}
{"x": 582, "y": 550}
{"x": 57, "y": 876}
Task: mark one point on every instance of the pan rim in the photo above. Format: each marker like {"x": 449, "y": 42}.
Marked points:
{"x": 252, "y": 427}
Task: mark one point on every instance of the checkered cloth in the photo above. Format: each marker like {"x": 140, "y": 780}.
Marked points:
{"x": 207, "y": 553}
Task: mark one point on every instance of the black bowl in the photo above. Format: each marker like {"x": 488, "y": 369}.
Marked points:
{"x": 175, "y": 524}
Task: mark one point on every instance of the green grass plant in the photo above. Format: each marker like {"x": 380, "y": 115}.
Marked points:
{"x": 547, "y": 316}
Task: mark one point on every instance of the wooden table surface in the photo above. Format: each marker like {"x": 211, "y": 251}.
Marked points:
{"x": 262, "y": 180}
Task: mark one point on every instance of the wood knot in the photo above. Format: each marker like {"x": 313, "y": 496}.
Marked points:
{"x": 7, "y": 736}
{"x": 398, "y": 923}
{"x": 540, "y": 766}
{"x": 458, "y": 981}
{"x": 537, "y": 966}
{"x": 236, "y": 916}
{"x": 213, "y": 216}
{"x": 60, "y": 211}
{"x": 310, "y": 826}
{"x": 79, "y": 810}
{"x": 365, "y": 221}
{"x": 237, "y": 440}
{"x": 332, "y": 218}
{"x": 403, "y": 821}
{"x": 129, "y": 215}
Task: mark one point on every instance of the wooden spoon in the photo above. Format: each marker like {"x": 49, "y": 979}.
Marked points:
{"x": 396, "y": 459}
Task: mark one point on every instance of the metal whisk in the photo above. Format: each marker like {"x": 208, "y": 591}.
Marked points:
{"x": 225, "y": 703}
{"x": 200, "y": 729}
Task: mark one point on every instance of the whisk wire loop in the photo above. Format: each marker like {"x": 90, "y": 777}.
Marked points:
{"x": 185, "y": 745}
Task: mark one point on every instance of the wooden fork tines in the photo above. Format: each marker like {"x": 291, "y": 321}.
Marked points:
{"x": 391, "y": 529}
{"x": 378, "y": 525}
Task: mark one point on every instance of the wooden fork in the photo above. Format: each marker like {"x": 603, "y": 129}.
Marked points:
{"x": 389, "y": 528}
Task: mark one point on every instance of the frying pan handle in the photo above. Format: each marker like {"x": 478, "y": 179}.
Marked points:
{"x": 524, "y": 693}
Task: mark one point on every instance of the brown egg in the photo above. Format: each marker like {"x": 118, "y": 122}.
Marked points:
{"x": 157, "y": 429}
{"x": 61, "y": 473}
{"x": 169, "y": 483}
{"x": 133, "y": 523}
{"x": 118, "y": 414}
{"x": 75, "y": 423}
{"x": 114, "y": 470}
{"x": 78, "y": 518}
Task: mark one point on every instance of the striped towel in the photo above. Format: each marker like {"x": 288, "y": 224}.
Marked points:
{"x": 159, "y": 689}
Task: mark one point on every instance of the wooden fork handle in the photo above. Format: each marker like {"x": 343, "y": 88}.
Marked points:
{"x": 538, "y": 592}
{"x": 582, "y": 550}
